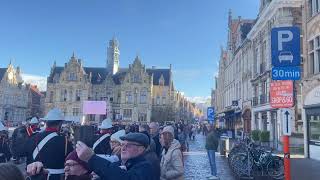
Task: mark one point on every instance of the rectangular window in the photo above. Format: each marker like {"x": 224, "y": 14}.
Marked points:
{"x": 312, "y": 58}
{"x": 128, "y": 97}
{"x": 314, "y": 127}
{"x": 158, "y": 100}
{"x": 311, "y": 45}
{"x": 142, "y": 117}
{"x": 116, "y": 114}
{"x": 78, "y": 94}
{"x": 75, "y": 111}
{"x": 127, "y": 113}
{"x": 143, "y": 97}
{"x": 163, "y": 100}
{"x": 72, "y": 77}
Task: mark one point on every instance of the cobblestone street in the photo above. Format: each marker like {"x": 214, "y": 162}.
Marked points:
{"x": 197, "y": 165}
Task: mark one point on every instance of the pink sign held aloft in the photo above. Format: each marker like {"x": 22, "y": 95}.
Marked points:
{"x": 94, "y": 107}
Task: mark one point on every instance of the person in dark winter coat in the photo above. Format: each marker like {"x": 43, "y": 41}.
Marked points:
{"x": 150, "y": 154}
{"x": 19, "y": 138}
{"x": 5, "y": 154}
{"x": 10, "y": 172}
{"x": 101, "y": 145}
{"x": 154, "y": 133}
{"x": 152, "y": 157}
{"x": 49, "y": 148}
{"x": 212, "y": 143}
{"x": 134, "y": 166}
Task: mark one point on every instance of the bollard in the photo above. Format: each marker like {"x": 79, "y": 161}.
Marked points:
{"x": 286, "y": 151}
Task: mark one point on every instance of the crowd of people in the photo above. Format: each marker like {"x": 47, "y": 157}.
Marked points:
{"x": 116, "y": 151}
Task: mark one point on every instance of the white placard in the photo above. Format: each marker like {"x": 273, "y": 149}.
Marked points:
{"x": 286, "y": 122}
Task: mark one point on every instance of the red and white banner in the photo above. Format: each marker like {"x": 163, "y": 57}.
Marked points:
{"x": 281, "y": 94}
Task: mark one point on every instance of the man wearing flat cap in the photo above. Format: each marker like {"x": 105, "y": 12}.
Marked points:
{"x": 133, "y": 164}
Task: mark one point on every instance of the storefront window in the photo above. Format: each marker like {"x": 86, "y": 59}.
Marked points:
{"x": 314, "y": 127}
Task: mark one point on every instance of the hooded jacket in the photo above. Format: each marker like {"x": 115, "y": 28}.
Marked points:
{"x": 171, "y": 163}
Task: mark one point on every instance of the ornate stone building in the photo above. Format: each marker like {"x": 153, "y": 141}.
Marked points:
{"x": 18, "y": 101}
{"x": 132, "y": 94}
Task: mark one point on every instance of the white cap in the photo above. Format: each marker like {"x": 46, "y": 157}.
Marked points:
{"x": 168, "y": 129}
{"x": 2, "y": 128}
{"x": 106, "y": 124}
{"x": 116, "y": 136}
{"x": 34, "y": 120}
{"x": 54, "y": 115}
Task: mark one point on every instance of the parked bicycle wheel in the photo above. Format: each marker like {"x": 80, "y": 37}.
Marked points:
{"x": 275, "y": 168}
{"x": 242, "y": 164}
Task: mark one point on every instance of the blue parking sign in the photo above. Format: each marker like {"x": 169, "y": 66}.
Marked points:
{"x": 210, "y": 113}
{"x": 285, "y": 46}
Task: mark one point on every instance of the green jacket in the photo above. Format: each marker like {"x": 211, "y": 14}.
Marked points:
{"x": 212, "y": 141}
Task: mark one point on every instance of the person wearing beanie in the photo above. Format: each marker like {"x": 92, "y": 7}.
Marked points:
{"x": 171, "y": 160}
{"x": 76, "y": 169}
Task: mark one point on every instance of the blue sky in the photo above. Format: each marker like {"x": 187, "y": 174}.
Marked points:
{"x": 185, "y": 33}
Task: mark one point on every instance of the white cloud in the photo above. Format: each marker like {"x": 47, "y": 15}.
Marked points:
{"x": 199, "y": 99}
{"x": 39, "y": 81}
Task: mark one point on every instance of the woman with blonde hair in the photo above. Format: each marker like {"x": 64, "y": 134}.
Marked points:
{"x": 171, "y": 161}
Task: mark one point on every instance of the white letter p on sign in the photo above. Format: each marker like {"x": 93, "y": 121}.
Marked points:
{"x": 282, "y": 39}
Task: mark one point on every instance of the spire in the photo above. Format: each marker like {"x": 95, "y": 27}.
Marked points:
{"x": 230, "y": 17}
{"x": 137, "y": 59}
{"x": 73, "y": 56}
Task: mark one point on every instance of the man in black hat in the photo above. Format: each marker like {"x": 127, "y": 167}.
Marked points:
{"x": 133, "y": 164}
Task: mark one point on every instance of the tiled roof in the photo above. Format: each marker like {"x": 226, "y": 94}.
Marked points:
{"x": 119, "y": 76}
{"x": 98, "y": 74}
{"x": 157, "y": 74}
{"x": 245, "y": 29}
{"x": 101, "y": 73}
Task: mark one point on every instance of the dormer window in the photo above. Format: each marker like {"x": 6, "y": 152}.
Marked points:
{"x": 136, "y": 78}
{"x": 72, "y": 76}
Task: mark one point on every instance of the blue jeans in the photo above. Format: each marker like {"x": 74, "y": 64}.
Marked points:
{"x": 212, "y": 160}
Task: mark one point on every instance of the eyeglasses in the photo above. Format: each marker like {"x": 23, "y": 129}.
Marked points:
{"x": 130, "y": 145}
{"x": 71, "y": 164}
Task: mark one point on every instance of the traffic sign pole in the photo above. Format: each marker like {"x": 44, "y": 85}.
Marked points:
{"x": 286, "y": 57}
{"x": 286, "y": 150}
